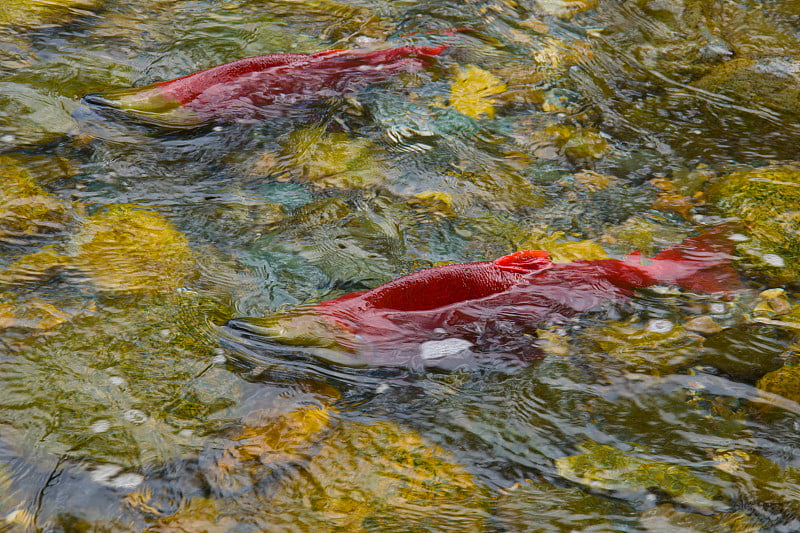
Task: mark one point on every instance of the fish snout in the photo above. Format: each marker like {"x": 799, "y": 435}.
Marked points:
{"x": 295, "y": 329}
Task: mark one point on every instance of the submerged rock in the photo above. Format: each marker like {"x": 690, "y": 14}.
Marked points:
{"x": 667, "y": 519}
{"x": 35, "y": 12}
{"x": 124, "y": 386}
{"x": 658, "y": 347}
{"x": 332, "y": 160}
{"x": 610, "y": 469}
{"x": 28, "y": 212}
{"x": 765, "y": 200}
{"x": 769, "y": 82}
{"x": 532, "y": 507}
{"x": 381, "y": 476}
{"x": 761, "y": 482}
{"x": 365, "y": 477}
{"x": 472, "y": 91}
{"x": 124, "y": 248}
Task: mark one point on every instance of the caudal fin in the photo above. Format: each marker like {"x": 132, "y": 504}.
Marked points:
{"x": 701, "y": 263}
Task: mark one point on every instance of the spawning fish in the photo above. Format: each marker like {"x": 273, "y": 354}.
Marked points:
{"x": 256, "y": 87}
{"x": 431, "y": 318}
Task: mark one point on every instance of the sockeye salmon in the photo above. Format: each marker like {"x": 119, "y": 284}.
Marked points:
{"x": 257, "y": 87}
{"x": 433, "y": 318}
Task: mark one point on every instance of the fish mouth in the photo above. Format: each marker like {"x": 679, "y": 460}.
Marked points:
{"x": 98, "y": 100}
{"x": 144, "y": 108}
{"x": 262, "y": 358}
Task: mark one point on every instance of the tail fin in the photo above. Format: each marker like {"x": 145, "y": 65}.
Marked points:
{"x": 701, "y": 263}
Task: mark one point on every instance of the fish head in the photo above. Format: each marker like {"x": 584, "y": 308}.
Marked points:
{"x": 302, "y": 327}
{"x": 150, "y": 104}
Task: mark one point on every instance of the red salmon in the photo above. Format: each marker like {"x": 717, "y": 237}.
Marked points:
{"x": 426, "y": 318}
{"x": 256, "y": 87}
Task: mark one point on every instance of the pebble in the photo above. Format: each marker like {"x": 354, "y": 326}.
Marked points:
{"x": 135, "y": 416}
{"x": 101, "y": 426}
{"x": 659, "y": 325}
{"x": 773, "y": 260}
{"x": 702, "y": 324}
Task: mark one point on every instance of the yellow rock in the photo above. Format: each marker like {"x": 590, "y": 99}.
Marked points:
{"x": 702, "y": 324}
{"x": 562, "y": 251}
{"x": 472, "y": 91}
{"x": 332, "y": 160}
{"x": 437, "y": 202}
{"x": 39, "y": 266}
{"x": 604, "y": 467}
{"x": 380, "y": 473}
{"x": 124, "y": 248}
{"x": 27, "y": 210}
{"x": 34, "y": 12}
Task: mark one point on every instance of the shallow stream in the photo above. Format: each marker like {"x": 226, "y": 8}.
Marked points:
{"x": 587, "y": 128}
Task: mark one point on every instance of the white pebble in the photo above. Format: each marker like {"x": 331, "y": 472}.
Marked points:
{"x": 135, "y": 416}
{"x": 716, "y": 308}
{"x": 116, "y": 380}
{"x": 101, "y": 426}
{"x": 383, "y": 387}
{"x": 773, "y": 260}
{"x": 659, "y": 325}
{"x": 7, "y": 138}
{"x": 218, "y": 360}
{"x": 738, "y": 237}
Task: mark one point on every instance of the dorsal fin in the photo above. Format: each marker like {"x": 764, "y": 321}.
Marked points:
{"x": 525, "y": 261}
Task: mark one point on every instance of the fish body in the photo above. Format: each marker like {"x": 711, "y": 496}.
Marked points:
{"x": 394, "y": 324}
{"x": 262, "y": 86}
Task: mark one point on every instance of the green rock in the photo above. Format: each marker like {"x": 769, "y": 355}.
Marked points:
{"x": 747, "y": 351}
{"x": 339, "y": 21}
{"x": 760, "y": 481}
{"x": 666, "y": 519}
{"x": 506, "y": 191}
{"x": 658, "y": 347}
{"x": 532, "y": 507}
{"x": 35, "y": 12}
{"x": 647, "y": 233}
{"x": 610, "y": 469}
{"x": 765, "y": 200}
{"x": 124, "y": 248}
{"x": 129, "y": 385}
{"x": 784, "y": 381}
{"x": 26, "y": 210}
{"x": 769, "y": 82}
{"x": 577, "y": 143}
{"x": 365, "y": 477}
{"x": 332, "y": 160}
{"x": 562, "y": 250}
